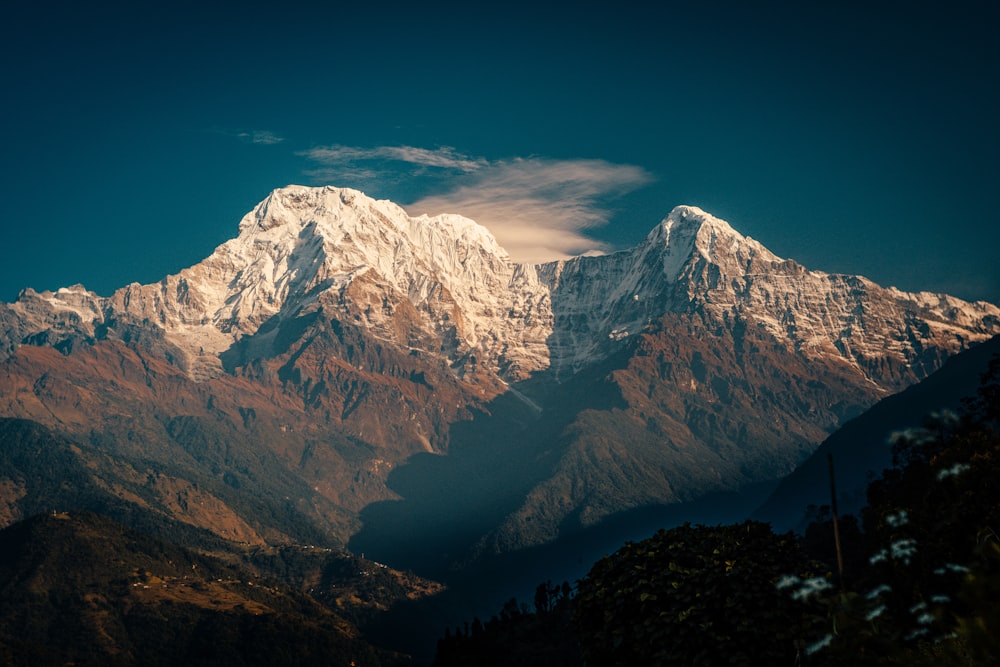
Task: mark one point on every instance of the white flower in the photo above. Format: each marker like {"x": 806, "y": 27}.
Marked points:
{"x": 953, "y": 471}
{"x": 875, "y": 613}
{"x": 951, "y": 567}
{"x": 898, "y": 519}
{"x": 944, "y": 417}
{"x": 914, "y": 436}
{"x": 822, "y": 643}
{"x": 904, "y": 549}
{"x": 810, "y": 587}
{"x": 878, "y": 590}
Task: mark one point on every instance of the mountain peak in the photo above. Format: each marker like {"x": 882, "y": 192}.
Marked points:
{"x": 444, "y": 284}
{"x": 364, "y": 260}
{"x": 336, "y": 212}
{"x": 687, "y": 212}
{"x": 689, "y": 234}
{"x": 710, "y": 235}
{"x": 299, "y": 203}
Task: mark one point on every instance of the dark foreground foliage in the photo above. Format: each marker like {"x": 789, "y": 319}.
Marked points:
{"x": 517, "y": 636}
{"x": 927, "y": 593}
{"x": 695, "y": 595}
{"x": 920, "y": 585}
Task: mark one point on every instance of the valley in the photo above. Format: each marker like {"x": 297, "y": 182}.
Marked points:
{"x": 345, "y": 377}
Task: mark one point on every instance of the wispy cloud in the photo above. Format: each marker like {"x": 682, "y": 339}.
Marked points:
{"x": 264, "y": 137}
{"x": 260, "y": 137}
{"x": 537, "y": 208}
{"x": 444, "y": 157}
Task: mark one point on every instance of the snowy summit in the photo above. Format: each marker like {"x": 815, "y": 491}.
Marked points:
{"x": 444, "y": 286}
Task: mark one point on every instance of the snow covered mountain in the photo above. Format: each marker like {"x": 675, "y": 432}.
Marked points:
{"x": 442, "y": 285}
{"x": 317, "y": 358}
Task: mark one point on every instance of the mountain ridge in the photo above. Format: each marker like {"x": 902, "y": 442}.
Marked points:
{"x": 339, "y": 340}
{"x": 861, "y": 448}
{"x": 446, "y": 279}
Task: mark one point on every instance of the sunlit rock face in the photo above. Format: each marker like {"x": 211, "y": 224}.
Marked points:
{"x": 443, "y": 286}
{"x": 336, "y": 336}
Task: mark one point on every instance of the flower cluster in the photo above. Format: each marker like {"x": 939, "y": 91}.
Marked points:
{"x": 902, "y": 550}
{"x": 805, "y": 588}
{"x": 898, "y": 519}
{"x": 953, "y": 471}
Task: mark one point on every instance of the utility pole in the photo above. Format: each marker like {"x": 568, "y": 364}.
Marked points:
{"x": 836, "y": 527}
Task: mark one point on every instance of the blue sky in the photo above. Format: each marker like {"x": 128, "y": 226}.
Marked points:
{"x": 853, "y": 137}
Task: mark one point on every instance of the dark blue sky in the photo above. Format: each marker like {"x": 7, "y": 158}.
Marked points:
{"x": 853, "y": 137}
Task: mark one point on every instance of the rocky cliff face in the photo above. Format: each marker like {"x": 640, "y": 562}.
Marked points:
{"x": 336, "y": 337}
{"x": 694, "y": 263}
{"x": 443, "y": 286}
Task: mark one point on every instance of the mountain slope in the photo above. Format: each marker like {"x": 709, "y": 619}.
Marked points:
{"x": 314, "y": 369}
{"x": 79, "y": 588}
{"x": 861, "y": 448}
{"x": 244, "y": 499}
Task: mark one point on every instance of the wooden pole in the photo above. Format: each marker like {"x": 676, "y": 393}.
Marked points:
{"x": 836, "y": 527}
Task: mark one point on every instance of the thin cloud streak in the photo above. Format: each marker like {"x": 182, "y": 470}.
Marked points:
{"x": 537, "y": 208}
{"x": 261, "y": 137}
{"x": 444, "y": 157}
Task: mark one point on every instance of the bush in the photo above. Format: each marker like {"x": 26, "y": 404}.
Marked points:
{"x": 696, "y": 595}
